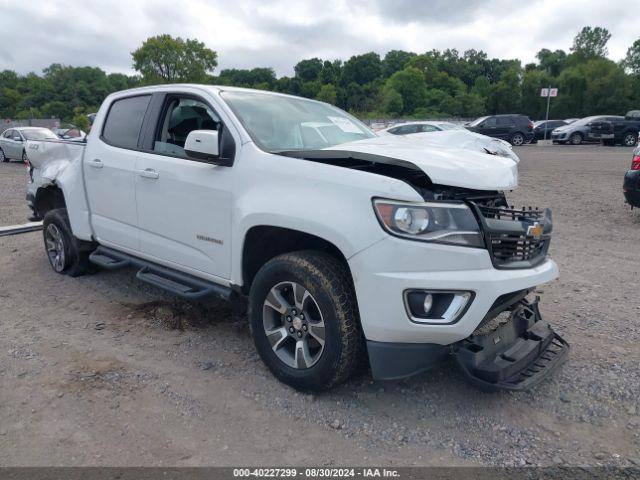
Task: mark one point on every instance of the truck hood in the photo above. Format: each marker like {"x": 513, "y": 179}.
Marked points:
{"x": 444, "y": 164}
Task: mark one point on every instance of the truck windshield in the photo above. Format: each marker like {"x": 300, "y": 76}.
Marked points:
{"x": 279, "y": 123}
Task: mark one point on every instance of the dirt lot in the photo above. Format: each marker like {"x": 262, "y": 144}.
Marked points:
{"x": 103, "y": 370}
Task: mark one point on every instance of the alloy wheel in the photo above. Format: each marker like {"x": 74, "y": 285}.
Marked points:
{"x": 629, "y": 140}
{"x": 55, "y": 247}
{"x": 517, "y": 140}
{"x": 294, "y": 325}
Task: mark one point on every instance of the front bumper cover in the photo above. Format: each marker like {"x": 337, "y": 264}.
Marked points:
{"x": 514, "y": 352}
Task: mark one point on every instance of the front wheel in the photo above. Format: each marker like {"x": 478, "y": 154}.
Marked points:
{"x": 630, "y": 139}
{"x": 575, "y": 139}
{"x": 64, "y": 251}
{"x": 304, "y": 320}
{"x": 517, "y": 139}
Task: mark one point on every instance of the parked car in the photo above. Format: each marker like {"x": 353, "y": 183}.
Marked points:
{"x": 577, "y": 132}
{"x": 516, "y": 129}
{"x": 570, "y": 120}
{"x": 611, "y": 132}
{"x": 70, "y": 132}
{"x": 346, "y": 244}
{"x": 631, "y": 185}
{"x": 419, "y": 127}
{"x": 542, "y": 129}
{"x": 12, "y": 141}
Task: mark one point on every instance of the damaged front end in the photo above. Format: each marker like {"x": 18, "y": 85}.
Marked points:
{"x": 511, "y": 350}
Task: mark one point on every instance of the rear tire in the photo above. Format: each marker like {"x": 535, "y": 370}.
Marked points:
{"x": 66, "y": 254}
{"x": 629, "y": 139}
{"x": 3, "y": 157}
{"x": 304, "y": 320}
{"x": 517, "y": 139}
{"x": 25, "y": 159}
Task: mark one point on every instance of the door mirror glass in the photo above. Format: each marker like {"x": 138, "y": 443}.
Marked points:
{"x": 203, "y": 145}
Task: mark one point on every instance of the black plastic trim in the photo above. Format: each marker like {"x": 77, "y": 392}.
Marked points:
{"x": 392, "y": 361}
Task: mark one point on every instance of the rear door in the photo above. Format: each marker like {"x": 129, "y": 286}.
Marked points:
{"x": 184, "y": 205}
{"x": 504, "y": 127}
{"x": 14, "y": 145}
{"x": 109, "y": 167}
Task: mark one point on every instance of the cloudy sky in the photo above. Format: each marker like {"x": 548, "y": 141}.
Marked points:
{"x": 278, "y": 33}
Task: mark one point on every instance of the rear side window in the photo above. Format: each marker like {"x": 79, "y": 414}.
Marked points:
{"x": 124, "y": 121}
{"x": 505, "y": 121}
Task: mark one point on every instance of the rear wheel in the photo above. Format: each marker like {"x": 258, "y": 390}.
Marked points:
{"x": 66, "y": 254}
{"x": 629, "y": 139}
{"x": 25, "y": 160}
{"x": 304, "y": 320}
{"x": 575, "y": 138}
{"x": 517, "y": 139}
{"x": 3, "y": 157}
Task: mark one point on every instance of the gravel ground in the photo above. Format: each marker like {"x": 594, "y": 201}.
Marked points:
{"x": 103, "y": 370}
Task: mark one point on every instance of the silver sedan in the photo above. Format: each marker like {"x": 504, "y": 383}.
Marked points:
{"x": 12, "y": 141}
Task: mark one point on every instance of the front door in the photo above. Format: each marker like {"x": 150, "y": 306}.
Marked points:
{"x": 109, "y": 165}
{"x": 184, "y": 206}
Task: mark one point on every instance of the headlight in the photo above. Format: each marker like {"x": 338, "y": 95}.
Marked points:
{"x": 440, "y": 222}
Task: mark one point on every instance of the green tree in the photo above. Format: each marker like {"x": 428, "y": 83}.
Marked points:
{"x": 308, "y": 70}
{"x": 552, "y": 62}
{"x": 328, "y": 94}
{"x": 410, "y": 84}
{"x": 394, "y": 61}
{"x": 632, "y": 60}
{"x": 591, "y": 42}
{"x": 362, "y": 69}
{"x": 392, "y": 102}
{"x": 165, "y": 59}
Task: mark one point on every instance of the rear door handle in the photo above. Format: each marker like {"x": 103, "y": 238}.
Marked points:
{"x": 148, "y": 173}
{"x": 95, "y": 163}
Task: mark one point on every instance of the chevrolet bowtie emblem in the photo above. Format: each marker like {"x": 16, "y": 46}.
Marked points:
{"x": 536, "y": 230}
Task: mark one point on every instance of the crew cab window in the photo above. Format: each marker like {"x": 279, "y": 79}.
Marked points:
{"x": 124, "y": 121}
{"x": 181, "y": 117}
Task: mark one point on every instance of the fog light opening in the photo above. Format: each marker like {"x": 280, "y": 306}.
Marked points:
{"x": 437, "y": 306}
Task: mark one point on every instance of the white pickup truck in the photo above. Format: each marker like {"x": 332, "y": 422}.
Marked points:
{"x": 349, "y": 246}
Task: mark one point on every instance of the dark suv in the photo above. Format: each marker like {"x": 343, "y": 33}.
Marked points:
{"x": 517, "y": 129}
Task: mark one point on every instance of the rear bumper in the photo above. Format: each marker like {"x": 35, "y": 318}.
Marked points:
{"x": 631, "y": 187}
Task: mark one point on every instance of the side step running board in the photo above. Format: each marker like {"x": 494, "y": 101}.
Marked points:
{"x": 178, "y": 283}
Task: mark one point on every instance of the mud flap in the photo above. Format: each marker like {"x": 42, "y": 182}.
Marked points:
{"x": 514, "y": 353}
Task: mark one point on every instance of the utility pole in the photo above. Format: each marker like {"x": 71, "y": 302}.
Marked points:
{"x": 546, "y": 120}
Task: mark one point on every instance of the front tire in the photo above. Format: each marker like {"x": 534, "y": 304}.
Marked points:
{"x": 304, "y": 320}
{"x": 575, "y": 139}
{"x": 66, "y": 254}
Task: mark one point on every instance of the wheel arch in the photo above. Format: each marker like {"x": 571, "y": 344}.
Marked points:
{"x": 263, "y": 242}
{"x": 47, "y": 198}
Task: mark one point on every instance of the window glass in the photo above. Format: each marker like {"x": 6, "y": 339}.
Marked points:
{"x": 490, "y": 122}
{"x": 428, "y": 128}
{"x": 503, "y": 121}
{"x": 124, "y": 121}
{"x": 8, "y": 134}
{"x": 39, "y": 134}
{"x": 279, "y": 122}
{"x": 182, "y": 116}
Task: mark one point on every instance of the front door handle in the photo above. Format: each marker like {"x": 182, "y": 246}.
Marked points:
{"x": 148, "y": 173}
{"x": 96, "y": 163}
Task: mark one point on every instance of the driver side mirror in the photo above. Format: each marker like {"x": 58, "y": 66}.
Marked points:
{"x": 211, "y": 146}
